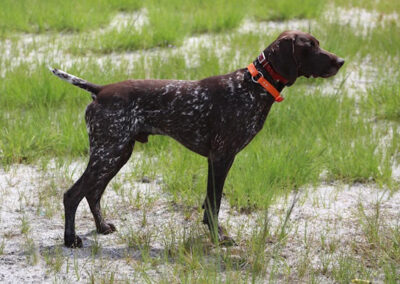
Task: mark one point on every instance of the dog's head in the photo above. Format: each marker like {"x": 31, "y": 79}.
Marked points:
{"x": 295, "y": 53}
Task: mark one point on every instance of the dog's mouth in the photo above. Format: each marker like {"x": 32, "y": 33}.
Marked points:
{"x": 330, "y": 73}
{"x": 327, "y": 75}
{"x": 331, "y": 70}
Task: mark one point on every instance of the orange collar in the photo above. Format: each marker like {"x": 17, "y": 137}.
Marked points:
{"x": 259, "y": 78}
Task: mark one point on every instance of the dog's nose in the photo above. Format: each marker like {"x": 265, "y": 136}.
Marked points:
{"x": 340, "y": 62}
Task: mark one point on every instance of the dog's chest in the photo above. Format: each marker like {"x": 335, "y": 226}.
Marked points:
{"x": 242, "y": 120}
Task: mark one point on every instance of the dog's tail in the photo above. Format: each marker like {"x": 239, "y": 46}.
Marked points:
{"x": 76, "y": 81}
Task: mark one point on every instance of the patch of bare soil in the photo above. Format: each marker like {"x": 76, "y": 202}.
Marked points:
{"x": 147, "y": 219}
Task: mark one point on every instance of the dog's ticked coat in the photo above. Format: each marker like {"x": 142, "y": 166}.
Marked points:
{"x": 215, "y": 117}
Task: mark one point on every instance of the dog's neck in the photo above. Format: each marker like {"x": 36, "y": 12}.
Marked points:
{"x": 273, "y": 77}
{"x": 262, "y": 73}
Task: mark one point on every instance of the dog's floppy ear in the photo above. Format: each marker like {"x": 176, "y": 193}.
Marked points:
{"x": 281, "y": 55}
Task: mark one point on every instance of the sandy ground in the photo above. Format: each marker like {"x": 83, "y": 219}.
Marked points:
{"x": 329, "y": 212}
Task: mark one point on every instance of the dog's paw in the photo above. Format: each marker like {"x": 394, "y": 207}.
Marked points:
{"x": 222, "y": 238}
{"x": 226, "y": 241}
{"x": 106, "y": 228}
{"x": 73, "y": 242}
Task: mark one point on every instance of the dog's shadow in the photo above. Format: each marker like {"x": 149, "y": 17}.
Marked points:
{"x": 172, "y": 252}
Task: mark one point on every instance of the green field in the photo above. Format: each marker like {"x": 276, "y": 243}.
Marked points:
{"x": 326, "y": 130}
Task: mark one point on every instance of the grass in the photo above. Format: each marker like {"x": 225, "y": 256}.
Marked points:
{"x": 337, "y": 140}
{"x": 382, "y": 6}
{"x": 168, "y": 24}
{"x": 2, "y": 245}
{"x": 284, "y": 10}
{"x": 351, "y": 139}
{"x": 169, "y": 21}
{"x": 54, "y": 259}
{"x": 384, "y": 99}
{"x": 38, "y": 16}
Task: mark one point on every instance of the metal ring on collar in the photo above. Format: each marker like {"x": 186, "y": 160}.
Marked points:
{"x": 253, "y": 78}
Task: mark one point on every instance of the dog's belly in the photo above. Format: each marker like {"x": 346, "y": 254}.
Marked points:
{"x": 190, "y": 128}
{"x": 207, "y": 129}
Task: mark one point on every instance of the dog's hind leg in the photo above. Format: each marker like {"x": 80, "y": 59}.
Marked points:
{"x": 102, "y": 167}
{"x": 111, "y": 137}
{"x": 110, "y": 168}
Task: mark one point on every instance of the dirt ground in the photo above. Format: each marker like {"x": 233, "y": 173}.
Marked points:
{"x": 32, "y": 228}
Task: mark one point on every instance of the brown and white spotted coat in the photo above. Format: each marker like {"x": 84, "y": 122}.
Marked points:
{"x": 215, "y": 117}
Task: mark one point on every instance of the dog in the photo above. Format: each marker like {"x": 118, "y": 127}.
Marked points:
{"x": 215, "y": 117}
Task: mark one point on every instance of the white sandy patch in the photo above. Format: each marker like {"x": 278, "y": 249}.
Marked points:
{"x": 361, "y": 20}
{"x": 143, "y": 209}
{"x": 272, "y": 27}
{"x": 48, "y": 48}
{"x": 359, "y": 77}
{"x": 136, "y": 21}
{"x": 355, "y": 81}
{"x": 396, "y": 172}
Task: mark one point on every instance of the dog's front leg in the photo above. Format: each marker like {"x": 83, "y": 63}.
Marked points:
{"x": 218, "y": 169}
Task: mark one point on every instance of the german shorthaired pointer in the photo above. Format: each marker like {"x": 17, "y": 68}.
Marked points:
{"x": 215, "y": 117}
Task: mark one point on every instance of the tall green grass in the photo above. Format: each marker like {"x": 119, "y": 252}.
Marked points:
{"x": 170, "y": 22}
{"x": 43, "y": 15}
{"x": 277, "y": 10}
{"x": 377, "y": 44}
{"x": 39, "y": 118}
{"x": 382, "y": 6}
{"x": 384, "y": 99}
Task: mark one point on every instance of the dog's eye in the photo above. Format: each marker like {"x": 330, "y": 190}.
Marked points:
{"x": 313, "y": 44}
